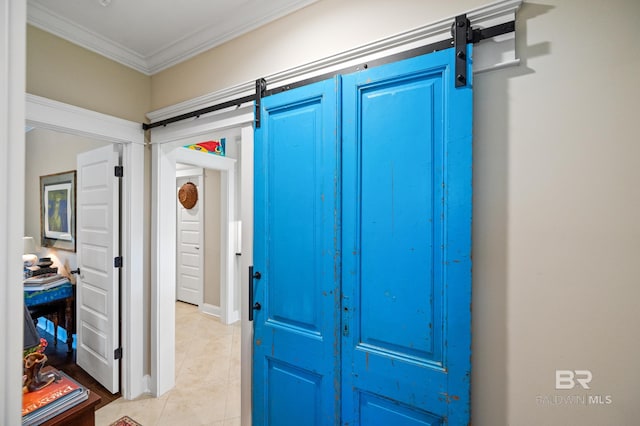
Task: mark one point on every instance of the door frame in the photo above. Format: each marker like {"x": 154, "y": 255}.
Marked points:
{"x": 53, "y": 115}
{"x": 166, "y": 151}
{"x": 12, "y": 164}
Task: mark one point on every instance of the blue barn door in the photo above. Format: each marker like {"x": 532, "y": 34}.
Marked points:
{"x": 406, "y": 238}
{"x": 362, "y": 242}
{"x": 296, "y": 345}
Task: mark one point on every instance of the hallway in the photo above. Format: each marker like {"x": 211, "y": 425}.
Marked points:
{"x": 207, "y": 390}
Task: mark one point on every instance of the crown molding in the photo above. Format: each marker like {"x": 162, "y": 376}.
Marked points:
{"x": 495, "y": 55}
{"x": 168, "y": 56}
{"x": 208, "y": 38}
{"x": 46, "y": 20}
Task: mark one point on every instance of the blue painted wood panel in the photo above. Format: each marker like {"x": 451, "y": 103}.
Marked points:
{"x": 296, "y": 333}
{"x": 363, "y": 239}
{"x": 406, "y": 232}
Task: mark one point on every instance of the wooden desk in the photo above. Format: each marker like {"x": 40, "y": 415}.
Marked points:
{"x": 82, "y": 414}
{"x": 57, "y": 303}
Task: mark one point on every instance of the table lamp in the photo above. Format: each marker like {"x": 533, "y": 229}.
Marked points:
{"x": 29, "y": 248}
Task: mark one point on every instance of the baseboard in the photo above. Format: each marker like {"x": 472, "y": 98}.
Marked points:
{"x": 208, "y": 309}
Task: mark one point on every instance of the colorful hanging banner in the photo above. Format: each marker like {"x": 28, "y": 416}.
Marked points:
{"x": 211, "y": 147}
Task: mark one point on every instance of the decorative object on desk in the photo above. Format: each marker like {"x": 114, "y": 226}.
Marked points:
{"x": 211, "y": 147}
{"x": 44, "y": 262}
{"x": 188, "y": 195}
{"x": 33, "y": 379}
{"x": 58, "y": 210}
{"x": 39, "y": 348}
{"x": 125, "y": 421}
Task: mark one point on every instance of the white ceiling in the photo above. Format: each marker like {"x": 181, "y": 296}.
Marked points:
{"x": 151, "y": 35}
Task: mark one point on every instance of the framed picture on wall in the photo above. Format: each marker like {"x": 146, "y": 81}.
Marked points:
{"x": 58, "y": 210}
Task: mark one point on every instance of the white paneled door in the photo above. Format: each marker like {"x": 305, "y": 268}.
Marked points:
{"x": 98, "y": 292}
{"x": 190, "y": 245}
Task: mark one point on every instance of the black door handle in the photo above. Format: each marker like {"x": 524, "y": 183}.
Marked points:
{"x": 253, "y": 306}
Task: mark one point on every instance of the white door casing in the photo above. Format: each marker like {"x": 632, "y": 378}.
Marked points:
{"x": 190, "y": 247}
{"x": 164, "y": 245}
{"x": 98, "y": 285}
{"x": 165, "y": 145}
{"x": 12, "y": 183}
{"x": 58, "y": 116}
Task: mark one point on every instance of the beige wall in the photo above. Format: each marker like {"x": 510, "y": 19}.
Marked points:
{"x": 49, "y": 152}
{"x": 556, "y": 231}
{"x": 212, "y": 237}
{"x": 59, "y": 70}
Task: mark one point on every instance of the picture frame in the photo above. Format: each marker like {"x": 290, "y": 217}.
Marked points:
{"x": 58, "y": 210}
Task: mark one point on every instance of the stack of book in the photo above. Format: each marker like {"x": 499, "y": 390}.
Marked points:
{"x": 33, "y": 271}
{"x": 46, "y": 403}
{"x": 44, "y": 282}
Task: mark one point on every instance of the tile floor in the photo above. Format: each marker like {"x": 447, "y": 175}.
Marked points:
{"x": 207, "y": 388}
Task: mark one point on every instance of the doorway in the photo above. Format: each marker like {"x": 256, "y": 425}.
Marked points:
{"x": 167, "y": 149}
{"x": 49, "y": 152}
{"x": 42, "y": 113}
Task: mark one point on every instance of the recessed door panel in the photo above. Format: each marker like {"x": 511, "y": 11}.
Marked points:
{"x": 406, "y": 218}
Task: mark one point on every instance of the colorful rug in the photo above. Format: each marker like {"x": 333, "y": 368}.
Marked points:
{"x": 125, "y": 421}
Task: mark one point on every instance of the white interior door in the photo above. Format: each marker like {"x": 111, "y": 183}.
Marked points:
{"x": 189, "y": 246}
{"x": 97, "y": 290}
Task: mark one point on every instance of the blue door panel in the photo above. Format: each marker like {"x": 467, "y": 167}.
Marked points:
{"x": 296, "y": 357}
{"x": 398, "y": 205}
{"x": 285, "y": 381}
{"x": 406, "y": 220}
{"x": 362, "y": 237}
{"x": 381, "y": 411}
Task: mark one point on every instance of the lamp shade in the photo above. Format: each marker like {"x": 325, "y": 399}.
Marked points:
{"x": 29, "y": 245}
{"x": 28, "y": 251}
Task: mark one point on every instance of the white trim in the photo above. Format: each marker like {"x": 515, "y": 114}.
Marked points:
{"x": 178, "y": 51}
{"x": 132, "y": 293}
{"x": 212, "y": 310}
{"x": 41, "y": 17}
{"x": 246, "y": 260}
{"x": 497, "y": 52}
{"x": 189, "y": 172}
{"x": 210, "y": 37}
{"x": 215, "y": 121}
{"x": 12, "y": 169}
{"x": 53, "y": 115}
{"x": 164, "y": 156}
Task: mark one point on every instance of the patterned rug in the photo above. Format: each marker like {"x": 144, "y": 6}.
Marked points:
{"x": 125, "y": 421}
